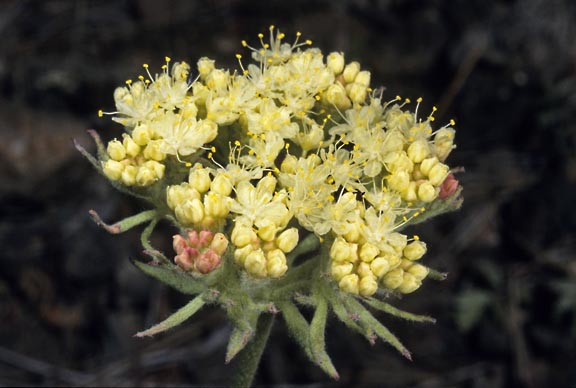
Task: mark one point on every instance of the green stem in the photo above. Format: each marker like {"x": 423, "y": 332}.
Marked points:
{"x": 248, "y": 360}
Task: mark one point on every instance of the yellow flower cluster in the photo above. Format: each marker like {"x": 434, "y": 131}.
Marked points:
{"x": 359, "y": 267}
{"x": 203, "y": 202}
{"x": 134, "y": 161}
{"x": 309, "y": 142}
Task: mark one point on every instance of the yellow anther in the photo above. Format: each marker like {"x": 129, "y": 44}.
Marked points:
{"x": 317, "y": 97}
{"x": 188, "y": 164}
{"x": 244, "y": 44}
{"x": 286, "y": 146}
{"x": 260, "y": 35}
{"x": 213, "y": 149}
{"x": 209, "y": 155}
{"x": 271, "y": 28}
{"x": 416, "y": 237}
{"x": 398, "y": 98}
{"x": 239, "y": 56}
{"x": 237, "y": 143}
{"x": 419, "y": 99}
{"x": 298, "y": 33}
{"x": 128, "y": 81}
{"x": 408, "y": 101}
{"x": 452, "y": 122}
{"x": 167, "y": 59}
{"x": 281, "y": 36}
{"x": 434, "y": 109}
{"x": 141, "y": 77}
{"x": 100, "y": 113}
{"x": 145, "y": 65}
{"x": 308, "y": 42}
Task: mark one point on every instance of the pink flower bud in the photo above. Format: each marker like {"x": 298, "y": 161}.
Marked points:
{"x": 192, "y": 252}
{"x": 208, "y": 261}
{"x": 193, "y": 239}
{"x": 448, "y": 187}
{"x": 178, "y": 243}
{"x": 205, "y": 238}
{"x": 184, "y": 261}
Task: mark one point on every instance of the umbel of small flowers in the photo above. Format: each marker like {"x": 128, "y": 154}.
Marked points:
{"x": 290, "y": 182}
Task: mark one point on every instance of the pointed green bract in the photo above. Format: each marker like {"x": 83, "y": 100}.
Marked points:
{"x": 175, "y": 319}
{"x": 387, "y": 308}
{"x": 173, "y": 276}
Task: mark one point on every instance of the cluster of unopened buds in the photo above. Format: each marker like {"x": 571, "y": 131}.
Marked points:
{"x": 290, "y": 181}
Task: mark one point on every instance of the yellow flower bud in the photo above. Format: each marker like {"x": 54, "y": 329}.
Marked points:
{"x": 276, "y": 263}
{"x": 240, "y": 254}
{"x": 400, "y": 162}
{"x": 219, "y": 244}
{"x": 409, "y": 284}
{"x": 350, "y": 71}
{"x": 199, "y": 178}
{"x": 152, "y": 151}
{"x": 427, "y": 165}
{"x": 287, "y": 240}
{"x": 178, "y": 194}
{"x": 129, "y": 175}
{"x": 343, "y": 251}
{"x": 145, "y": 176}
{"x": 221, "y": 184}
{"x": 363, "y": 78}
{"x": 399, "y": 181}
{"x": 418, "y": 150}
{"x": 444, "y": 142}
{"x": 132, "y": 149}
{"x": 357, "y": 93}
{"x": 335, "y": 62}
{"x": 156, "y": 167}
{"x": 393, "y": 261}
{"x": 415, "y": 250}
{"x": 393, "y": 279}
{"x": 379, "y": 266}
{"x": 410, "y": 194}
{"x": 243, "y": 235}
{"x": 368, "y": 252}
{"x": 255, "y": 263}
{"x": 217, "y": 79}
{"x": 142, "y": 134}
{"x": 419, "y": 271}
{"x": 216, "y": 205}
{"x": 349, "y": 283}
{"x": 339, "y": 270}
{"x": 363, "y": 269}
{"x": 438, "y": 173}
{"x": 267, "y": 230}
{"x": 205, "y": 67}
{"x": 397, "y": 241}
{"x": 116, "y": 150}
{"x": 113, "y": 169}
{"x": 405, "y": 264}
{"x": 190, "y": 212}
{"x": 353, "y": 231}
{"x": 368, "y": 286}
{"x": 427, "y": 192}
{"x": 336, "y": 95}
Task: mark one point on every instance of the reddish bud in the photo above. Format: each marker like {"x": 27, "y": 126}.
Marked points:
{"x": 448, "y": 187}
{"x": 208, "y": 261}
{"x": 178, "y": 243}
{"x": 205, "y": 238}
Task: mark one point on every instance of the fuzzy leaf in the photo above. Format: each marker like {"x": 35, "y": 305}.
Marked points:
{"x": 366, "y": 318}
{"x": 385, "y": 307}
{"x": 239, "y": 338}
{"x": 173, "y": 276}
{"x": 125, "y": 224}
{"x": 350, "y": 322}
{"x": 317, "y": 340}
{"x": 297, "y": 326}
{"x": 175, "y": 319}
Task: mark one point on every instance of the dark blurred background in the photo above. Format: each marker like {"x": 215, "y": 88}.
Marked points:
{"x": 70, "y": 300}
